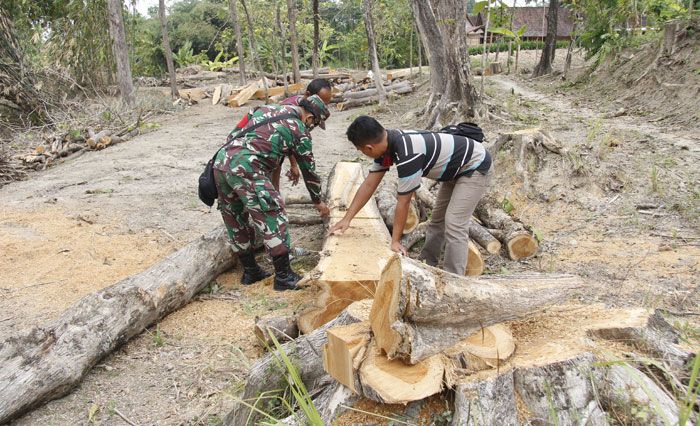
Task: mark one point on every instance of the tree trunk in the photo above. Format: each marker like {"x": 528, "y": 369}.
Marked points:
{"x": 307, "y": 351}
{"x": 569, "y": 50}
{"x": 46, "y": 363}
{"x": 372, "y": 46}
{"x": 520, "y": 242}
{"x": 484, "y": 53}
{"x": 166, "y": 49}
{"x": 233, "y": 11}
{"x": 253, "y": 51}
{"x": 121, "y": 51}
{"x": 386, "y": 203}
{"x": 16, "y": 79}
{"x": 292, "y": 16}
{"x": 283, "y": 49}
{"x": 314, "y": 53}
{"x": 351, "y": 263}
{"x": 550, "y": 43}
{"x": 419, "y": 310}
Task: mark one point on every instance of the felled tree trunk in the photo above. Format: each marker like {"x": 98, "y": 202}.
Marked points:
{"x": 47, "y": 362}
{"x": 386, "y": 203}
{"x": 268, "y": 374}
{"x": 420, "y": 311}
{"x": 520, "y": 242}
{"x": 350, "y": 263}
{"x": 283, "y": 329}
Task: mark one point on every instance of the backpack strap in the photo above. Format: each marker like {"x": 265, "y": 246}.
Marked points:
{"x": 243, "y": 131}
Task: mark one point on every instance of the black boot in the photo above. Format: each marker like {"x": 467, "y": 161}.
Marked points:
{"x": 285, "y": 277}
{"x": 252, "y": 272}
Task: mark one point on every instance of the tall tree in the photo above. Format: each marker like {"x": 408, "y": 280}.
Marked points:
{"x": 233, "y": 12}
{"x": 292, "y": 17}
{"x": 372, "y": 45}
{"x": 314, "y": 52}
{"x": 17, "y": 81}
{"x": 166, "y": 49}
{"x": 120, "y": 50}
{"x": 251, "y": 43}
{"x": 446, "y": 43}
{"x": 283, "y": 47}
{"x": 550, "y": 42}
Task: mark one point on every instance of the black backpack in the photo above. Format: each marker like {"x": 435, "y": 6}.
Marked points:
{"x": 466, "y": 129}
{"x": 207, "y": 185}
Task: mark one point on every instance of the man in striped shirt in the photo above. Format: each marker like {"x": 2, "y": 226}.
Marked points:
{"x": 462, "y": 165}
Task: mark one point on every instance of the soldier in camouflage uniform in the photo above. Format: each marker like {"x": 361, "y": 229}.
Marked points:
{"x": 242, "y": 172}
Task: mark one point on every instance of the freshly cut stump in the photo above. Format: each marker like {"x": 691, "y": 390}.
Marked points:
{"x": 520, "y": 242}
{"x": 393, "y": 382}
{"x": 488, "y": 348}
{"x": 419, "y": 310}
{"x": 351, "y": 263}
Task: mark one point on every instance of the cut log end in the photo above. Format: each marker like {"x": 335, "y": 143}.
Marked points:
{"x": 522, "y": 246}
{"x": 386, "y": 305}
{"x": 475, "y": 263}
{"x": 393, "y": 382}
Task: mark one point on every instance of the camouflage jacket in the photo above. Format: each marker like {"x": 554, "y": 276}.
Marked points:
{"x": 263, "y": 150}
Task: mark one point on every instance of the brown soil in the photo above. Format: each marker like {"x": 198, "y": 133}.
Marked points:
{"x": 117, "y": 211}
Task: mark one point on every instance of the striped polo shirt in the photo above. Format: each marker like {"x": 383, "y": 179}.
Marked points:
{"x": 438, "y": 156}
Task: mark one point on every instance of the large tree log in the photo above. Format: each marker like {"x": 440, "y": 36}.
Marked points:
{"x": 266, "y": 374}
{"x": 47, "y": 362}
{"x": 520, "y": 241}
{"x": 419, "y": 310}
{"x": 386, "y": 203}
{"x": 351, "y": 263}
{"x": 368, "y": 100}
{"x": 361, "y": 94}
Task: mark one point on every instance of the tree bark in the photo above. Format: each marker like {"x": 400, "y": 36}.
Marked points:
{"x": 292, "y": 16}
{"x": 569, "y": 50}
{"x": 314, "y": 53}
{"x": 16, "y": 79}
{"x": 233, "y": 11}
{"x": 351, "y": 263}
{"x": 550, "y": 42}
{"x": 166, "y": 49}
{"x": 372, "y": 46}
{"x": 48, "y": 362}
{"x": 283, "y": 329}
{"x": 266, "y": 373}
{"x": 283, "y": 48}
{"x": 419, "y": 310}
{"x": 121, "y": 51}
{"x": 479, "y": 234}
{"x": 386, "y": 203}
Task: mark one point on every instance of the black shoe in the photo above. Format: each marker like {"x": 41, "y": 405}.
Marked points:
{"x": 285, "y": 277}
{"x": 252, "y": 272}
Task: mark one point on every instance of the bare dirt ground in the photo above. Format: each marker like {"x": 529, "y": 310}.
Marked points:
{"x": 88, "y": 223}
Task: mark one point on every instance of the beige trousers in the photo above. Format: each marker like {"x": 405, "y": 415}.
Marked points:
{"x": 449, "y": 223}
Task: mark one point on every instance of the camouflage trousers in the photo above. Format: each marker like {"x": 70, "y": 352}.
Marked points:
{"x": 249, "y": 203}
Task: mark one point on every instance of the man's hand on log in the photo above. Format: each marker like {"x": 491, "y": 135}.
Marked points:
{"x": 323, "y": 209}
{"x": 340, "y": 227}
{"x": 398, "y": 248}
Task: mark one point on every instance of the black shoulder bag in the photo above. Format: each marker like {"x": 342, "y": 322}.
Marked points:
{"x": 207, "y": 186}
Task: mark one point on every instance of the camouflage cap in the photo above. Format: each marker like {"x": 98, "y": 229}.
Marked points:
{"x": 315, "y": 106}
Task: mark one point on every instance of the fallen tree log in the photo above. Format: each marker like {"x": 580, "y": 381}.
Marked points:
{"x": 47, "y": 362}
{"x": 297, "y": 199}
{"x": 419, "y": 310}
{"x": 386, "y": 203}
{"x": 520, "y": 242}
{"x": 267, "y": 373}
{"x": 305, "y": 219}
{"x": 362, "y": 94}
{"x": 350, "y": 263}
{"x": 475, "y": 263}
{"x": 479, "y": 234}
{"x": 368, "y": 100}
{"x": 283, "y": 329}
